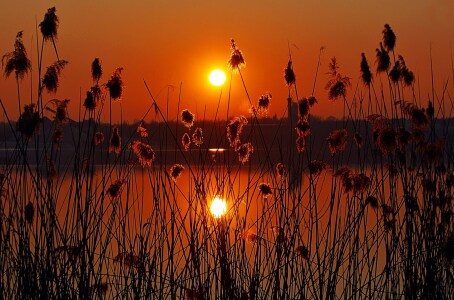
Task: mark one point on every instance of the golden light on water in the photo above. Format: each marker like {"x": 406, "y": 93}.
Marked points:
{"x": 218, "y": 207}
{"x": 217, "y": 77}
{"x": 216, "y": 150}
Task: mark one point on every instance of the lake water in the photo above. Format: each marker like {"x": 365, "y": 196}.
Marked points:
{"x": 167, "y": 224}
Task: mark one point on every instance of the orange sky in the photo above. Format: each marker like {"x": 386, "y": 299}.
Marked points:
{"x": 172, "y": 42}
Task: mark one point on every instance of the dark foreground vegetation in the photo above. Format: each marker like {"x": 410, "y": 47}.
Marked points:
{"x": 97, "y": 209}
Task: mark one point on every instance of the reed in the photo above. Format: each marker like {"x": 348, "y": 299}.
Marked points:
{"x": 363, "y": 211}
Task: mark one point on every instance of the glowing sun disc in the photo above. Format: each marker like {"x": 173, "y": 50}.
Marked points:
{"x": 218, "y": 207}
{"x": 217, "y": 77}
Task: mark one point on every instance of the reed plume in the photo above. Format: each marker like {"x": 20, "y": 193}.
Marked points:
{"x": 29, "y": 121}
{"x": 49, "y": 25}
{"x": 96, "y": 70}
{"x": 115, "y": 84}
{"x": 197, "y": 137}
{"x": 115, "y": 141}
{"x": 187, "y": 117}
{"x": 337, "y": 84}
{"x": 289, "y": 75}
{"x": 366, "y": 74}
{"x": 236, "y": 60}
{"x": 17, "y": 61}
{"x": 144, "y": 152}
{"x": 389, "y": 38}
{"x": 52, "y": 76}
{"x": 186, "y": 141}
{"x": 175, "y": 171}
{"x": 383, "y": 61}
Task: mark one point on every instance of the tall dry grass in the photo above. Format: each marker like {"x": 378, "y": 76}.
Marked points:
{"x": 123, "y": 218}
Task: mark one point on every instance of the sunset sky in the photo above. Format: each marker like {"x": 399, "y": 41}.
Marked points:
{"x": 172, "y": 42}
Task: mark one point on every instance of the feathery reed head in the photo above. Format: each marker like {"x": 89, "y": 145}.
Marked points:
{"x": 52, "y": 76}
{"x": 264, "y": 103}
{"x": 360, "y": 183}
{"x": 316, "y": 167}
{"x": 303, "y": 128}
{"x": 96, "y": 91}
{"x": 395, "y": 73}
{"x": 342, "y": 172}
{"x": 89, "y": 102}
{"x": 353, "y": 182}
{"x": 300, "y": 144}
{"x": 96, "y": 70}
{"x": 386, "y": 210}
{"x": 372, "y": 201}
{"x": 234, "y": 129}
{"x": 337, "y": 140}
{"x": 302, "y": 251}
{"x": 175, "y": 171}
{"x": 400, "y": 72}
{"x": 289, "y": 75}
{"x": 265, "y": 189}
{"x": 406, "y": 75}
{"x": 419, "y": 119}
{"x": 142, "y": 131}
{"x": 186, "y": 141}
{"x": 144, "y": 152}
{"x": 387, "y": 140}
{"x": 303, "y": 108}
{"x": 17, "y": 60}
{"x": 187, "y": 117}
{"x": 115, "y": 188}
{"x": 49, "y": 25}
{"x": 366, "y": 74}
{"x": 99, "y": 138}
{"x": 115, "y": 141}
{"x": 337, "y": 84}
{"x": 280, "y": 170}
{"x": 61, "y": 113}
{"x": 197, "y": 137}
{"x": 389, "y": 38}
{"x": 244, "y": 152}
{"x": 236, "y": 60}
{"x": 115, "y": 84}
{"x": 383, "y": 61}
{"x": 29, "y": 121}
{"x": 312, "y": 100}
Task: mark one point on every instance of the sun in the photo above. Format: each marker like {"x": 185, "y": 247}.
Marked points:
{"x": 217, "y": 77}
{"x": 218, "y": 207}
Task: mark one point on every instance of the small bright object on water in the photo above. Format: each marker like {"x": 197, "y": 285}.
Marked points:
{"x": 217, "y": 77}
{"x": 218, "y": 207}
